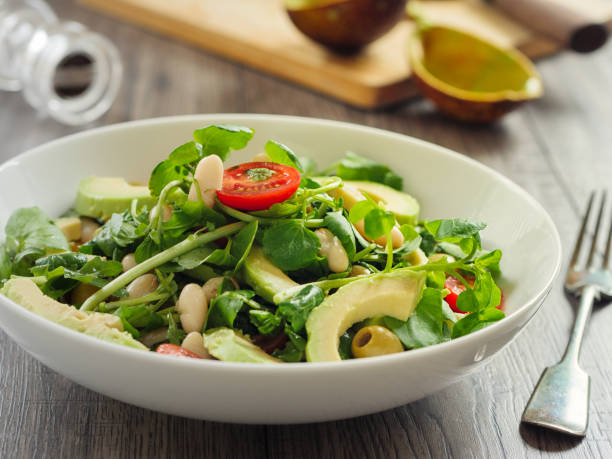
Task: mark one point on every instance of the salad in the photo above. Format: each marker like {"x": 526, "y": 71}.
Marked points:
{"x": 268, "y": 261}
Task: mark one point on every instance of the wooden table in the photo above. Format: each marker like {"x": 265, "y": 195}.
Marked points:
{"x": 558, "y": 149}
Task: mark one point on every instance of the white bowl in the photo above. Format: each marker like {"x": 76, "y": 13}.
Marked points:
{"x": 447, "y": 185}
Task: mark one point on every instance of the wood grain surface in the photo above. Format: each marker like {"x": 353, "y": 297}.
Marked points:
{"x": 260, "y": 34}
{"x": 558, "y": 149}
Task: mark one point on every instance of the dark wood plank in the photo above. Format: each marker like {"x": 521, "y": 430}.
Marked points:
{"x": 557, "y": 149}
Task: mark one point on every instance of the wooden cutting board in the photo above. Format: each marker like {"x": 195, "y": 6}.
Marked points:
{"x": 259, "y": 33}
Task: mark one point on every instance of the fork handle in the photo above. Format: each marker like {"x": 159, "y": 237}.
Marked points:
{"x": 572, "y": 352}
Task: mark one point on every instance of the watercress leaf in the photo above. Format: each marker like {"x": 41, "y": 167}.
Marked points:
{"x": 118, "y": 236}
{"x": 294, "y": 349}
{"x": 344, "y": 347}
{"x": 378, "y": 222}
{"x": 455, "y": 228}
{"x": 451, "y": 249}
{"x": 280, "y": 209}
{"x": 476, "y": 321}
{"x": 360, "y": 210}
{"x": 290, "y": 246}
{"x": 486, "y": 291}
{"x": 266, "y": 322}
{"x": 309, "y": 165}
{"x": 69, "y": 260}
{"x": 466, "y": 245}
{"x": 489, "y": 261}
{"x": 175, "y": 335}
{"x": 189, "y": 215}
{"x": 436, "y": 279}
{"x": 282, "y": 154}
{"x": 187, "y": 153}
{"x": 5, "y": 264}
{"x": 412, "y": 240}
{"x": 393, "y": 180}
{"x": 139, "y": 317}
{"x": 164, "y": 173}
{"x": 29, "y": 228}
{"x": 424, "y": 326}
{"x": 221, "y": 139}
{"x": 223, "y": 310}
{"x": 428, "y": 243}
{"x": 25, "y": 259}
{"x": 356, "y": 167}
{"x": 342, "y": 229}
{"x": 194, "y": 258}
{"x": 242, "y": 243}
{"x": 296, "y": 310}
{"x": 467, "y": 301}
{"x": 222, "y": 257}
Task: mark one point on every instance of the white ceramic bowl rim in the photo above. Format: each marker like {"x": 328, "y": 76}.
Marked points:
{"x": 399, "y": 358}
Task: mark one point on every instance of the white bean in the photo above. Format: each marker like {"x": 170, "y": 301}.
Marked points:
{"x": 192, "y": 306}
{"x": 416, "y": 257}
{"x": 154, "y": 337}
{"x": 128, "y": 262}
{"x": 358, "y": 270}
{"x": 88, "y": 229}
{"x": 211, "y": 286}
{"x": 332, "y": 248}
{"x": 397, "y": 238}
{"x": 194, "y": 342}
{"x": 166, "y": 213}
{"x": 142, "y": 285}
{"x": 81, "y": 292}
{"x": 209, "y": 175}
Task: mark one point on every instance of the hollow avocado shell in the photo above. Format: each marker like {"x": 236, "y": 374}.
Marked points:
{"x": 469, "y": 78}
{"x": 345, "y": 25}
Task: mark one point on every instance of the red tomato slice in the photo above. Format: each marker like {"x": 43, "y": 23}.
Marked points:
{"x": 456, "y": 288}
{"x": 258, "y": 185}
{"x": 176, "y": 351}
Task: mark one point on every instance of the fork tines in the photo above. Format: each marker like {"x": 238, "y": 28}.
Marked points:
{"x": 590, "y": 262}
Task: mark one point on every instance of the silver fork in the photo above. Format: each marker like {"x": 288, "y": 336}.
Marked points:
{"x": 560, "y": 400}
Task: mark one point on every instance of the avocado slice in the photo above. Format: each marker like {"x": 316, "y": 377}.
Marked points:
{"x": 264, "y": 277}
{"x": 394, "y": 294}
{"x": 100, "y": 197}
{"x": 107, "y": 327}
{"x": 225, "y": 344}
{"x": 404, "y": 206}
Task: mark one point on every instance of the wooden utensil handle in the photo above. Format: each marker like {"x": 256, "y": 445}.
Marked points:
{"x": 571, "y": 27}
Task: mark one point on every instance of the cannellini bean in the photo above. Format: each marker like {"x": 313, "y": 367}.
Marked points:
{"x": 211, "y": 286}
{"x": 81, "y": 292}
{"x": 261, "y": 157}
{"x": 208, "y": 196}
{"x": 397, "y": 238}
{"x": 192, "y": 306}
{"x": 128, "y": 262}
{"x": 88, "y": 229}
{"x": 439, "y": 256}
{"x": 209, "y": 175}
{"x": 156, "y": 336}
{"x": 142, "y": 285}
{"x": 194, "y": 342}
{"x": 332, "y": 248}
{"x": 358, "y": 270}
{"x": 166, "y": 213}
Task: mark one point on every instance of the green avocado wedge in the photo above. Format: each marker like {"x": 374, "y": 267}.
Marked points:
{"x": 106, "y": 327}
{"x": 405, "y": 207}
{"x": 394, "y": 294}
{"x": 265, "y": 278}
{"x": 225, "y": 344}
{"x": 100, "y": 197}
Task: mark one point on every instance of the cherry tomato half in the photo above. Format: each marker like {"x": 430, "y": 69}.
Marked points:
{"x": 176, "y": 351}
{"x": 258, "y": 185}
{"x": 456, "y": 288}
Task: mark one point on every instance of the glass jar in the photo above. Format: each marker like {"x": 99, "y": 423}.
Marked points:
{"x": 64, "y": 70}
